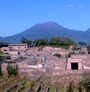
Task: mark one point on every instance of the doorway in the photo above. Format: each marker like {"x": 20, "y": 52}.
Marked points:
{"x": 74, "y": 66}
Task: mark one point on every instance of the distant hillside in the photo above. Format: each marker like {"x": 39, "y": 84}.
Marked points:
{"x": 48, "y": 30}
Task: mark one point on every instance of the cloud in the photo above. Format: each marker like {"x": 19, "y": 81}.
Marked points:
{"x": 80, "y": 6}
{"x": 70, "y": 6}
{"x": 82, "y": 16}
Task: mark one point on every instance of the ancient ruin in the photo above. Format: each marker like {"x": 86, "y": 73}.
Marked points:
{"x": 34, "y": 66}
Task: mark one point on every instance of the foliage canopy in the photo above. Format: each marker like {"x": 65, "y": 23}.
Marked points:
{"x": 42, "y": 41}
{"x": 82, "y": 43}
{"x": 61, "y": 41}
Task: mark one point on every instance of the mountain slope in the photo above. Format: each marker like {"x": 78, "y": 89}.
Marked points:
{"x": 48, "y": 30}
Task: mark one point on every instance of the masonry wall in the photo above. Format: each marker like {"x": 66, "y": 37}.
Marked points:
{"x": 17, "y": 46}
{"x": 79, "y": 56}
{"x": 47, "y": 48}
{"x": 4, "y": 49}
{"x": 79, "y": 61}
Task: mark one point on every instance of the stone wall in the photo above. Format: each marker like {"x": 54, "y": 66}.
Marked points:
{"x": 13, "y": 52}
{"x": 79, "y": 61}
{"x": 78, "y": 55}
{"x": 4, "y": 49}
{"x": 18, "y": 46}
{"x": 48, "y": 48}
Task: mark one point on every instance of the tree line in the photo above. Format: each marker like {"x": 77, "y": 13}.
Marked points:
{"x": 53, "y": 41}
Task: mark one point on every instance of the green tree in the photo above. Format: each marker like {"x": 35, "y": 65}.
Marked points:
{"x": 12, "y": 70}
{"x": 23, "y": 40}
{"x": 82, "y": 43}
{"x": 1, "y": 74}
{"x": 42, "y": 41}
{"x": 29, "y": 42}
{"x": 61, "y": 41}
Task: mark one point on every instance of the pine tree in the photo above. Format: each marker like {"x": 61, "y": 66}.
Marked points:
{"x": 1, "y": 74}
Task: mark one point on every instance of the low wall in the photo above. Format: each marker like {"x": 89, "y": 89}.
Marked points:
{"x": 78, "y": 55}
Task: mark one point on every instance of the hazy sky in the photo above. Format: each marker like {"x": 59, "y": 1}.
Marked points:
{"x": 19, "y": 15}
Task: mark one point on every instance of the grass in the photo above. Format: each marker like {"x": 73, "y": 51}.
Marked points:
{"x": 59, "y": 89}
{"x": 45, "y": 79}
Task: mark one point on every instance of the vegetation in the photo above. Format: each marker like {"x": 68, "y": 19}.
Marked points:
{"x": 42, "y": 41}
{"x": 1, "y": 52}
{"x": 82, "y": 52}
{"x": 88, "y": 47}
{"x": 2, "y": 43}
{"x": 38, "y": 55}
{"x": 82, "y": 43}
{"x": 71, "y": 53}
{"x": 74, "y": 48}
{"x": 1, "y": 74}
{"x": 85, "y": 81}
{"x": 61, "y": 41}
{"x": 23, "y": 85}
{"x": 57, "y": 55}
{"x": 12, "y": 70}
{"x": 71, "y": 87}
{"x": 25, "y": 40}
{"x": 61, "y": 46}
{"x": 0, "y": 56}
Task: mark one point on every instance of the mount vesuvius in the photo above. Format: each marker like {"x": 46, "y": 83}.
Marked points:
{"x": 48, "y": 30}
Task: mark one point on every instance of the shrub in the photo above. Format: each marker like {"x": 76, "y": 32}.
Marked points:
{"x": 85, "y": 80}
{"x": 82, "y": 52}
{"x": 66, "y": 55}
{"x": 12, "y": 70}
{"x": 38, "y": 55}
{"x": 1, "y": 52}
{"x": 69, "y": 55}
{"x": 57, "y": 55}
{"x": 29, "y": 55}
{"x": 1, "y": 74}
